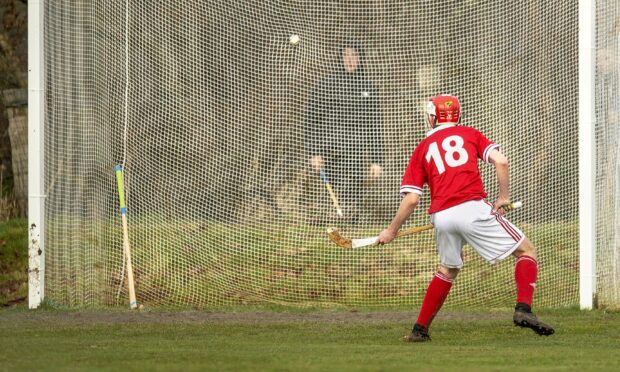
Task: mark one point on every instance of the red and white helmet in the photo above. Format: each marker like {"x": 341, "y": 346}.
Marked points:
{"x": 442, "y": 109}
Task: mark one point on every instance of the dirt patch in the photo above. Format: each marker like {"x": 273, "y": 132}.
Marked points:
{"x": 345, "y": 317}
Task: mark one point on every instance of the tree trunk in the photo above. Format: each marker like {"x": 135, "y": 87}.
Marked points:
{"x": 16, "y": 105}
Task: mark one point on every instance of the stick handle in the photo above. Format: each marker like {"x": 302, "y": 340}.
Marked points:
{"x": 331, "y": 192}
{"x": 513, "y": 205}
{"x": 130, "y": 283}
{"x": 123, "y": 208}
{"x": 417, "y": 229}
{"x": 414, "y": 230}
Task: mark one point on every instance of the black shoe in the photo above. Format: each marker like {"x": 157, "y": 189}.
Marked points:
{"x": 526, "y": 319}
{"x": 418, "y": 334}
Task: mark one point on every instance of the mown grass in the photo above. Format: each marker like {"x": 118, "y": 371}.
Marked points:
{"x": 122, "y": 340}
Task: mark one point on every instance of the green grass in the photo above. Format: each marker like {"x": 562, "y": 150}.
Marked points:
{"x": 273, "y": 337}
{"x": 302, "y": 341}
{"x": 13, "y": 261}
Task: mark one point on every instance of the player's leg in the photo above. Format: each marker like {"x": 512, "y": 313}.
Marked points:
{"x": 449, "y": 245}
{"x": 436, "y": 294}
{"x": 355, "y": 198}
{"x": 495, "y": 238}
{"x": 526, "y": 273}
{"x": 347, "y": 185}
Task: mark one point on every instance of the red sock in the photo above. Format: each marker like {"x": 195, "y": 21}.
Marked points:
{"x": 436, "y": 294}
{"x": 526, "y": 271}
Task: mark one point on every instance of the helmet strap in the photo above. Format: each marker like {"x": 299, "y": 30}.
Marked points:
{"x": 432, "y": 121}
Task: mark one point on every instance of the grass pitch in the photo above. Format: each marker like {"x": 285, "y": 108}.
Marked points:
{"x": 303, "y": 340}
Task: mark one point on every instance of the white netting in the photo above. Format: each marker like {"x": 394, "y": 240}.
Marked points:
{"x": 216, "y": 116}
{"x": 607, "y": 87}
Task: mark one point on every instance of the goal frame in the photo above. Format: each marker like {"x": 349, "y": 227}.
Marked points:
{"x": 587, "y": 154}
{"x": 36, "y": 159}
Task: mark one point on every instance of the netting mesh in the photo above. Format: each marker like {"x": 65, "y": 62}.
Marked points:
{"x": 607, "y": 152}
{"x": 222, "y": 124}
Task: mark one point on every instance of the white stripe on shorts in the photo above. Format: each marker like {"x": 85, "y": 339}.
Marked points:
{"x": 505, "y": 224}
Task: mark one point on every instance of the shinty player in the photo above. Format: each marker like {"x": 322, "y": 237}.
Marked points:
{"x": 447, "y": 159}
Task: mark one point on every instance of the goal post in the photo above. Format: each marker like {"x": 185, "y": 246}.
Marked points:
{"x": 587, "y": 153}
{"x": 225, "y": 115}
{"x": 36, "y": 158}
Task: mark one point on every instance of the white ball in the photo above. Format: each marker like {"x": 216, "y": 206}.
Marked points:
{"x": 294, "y": 39}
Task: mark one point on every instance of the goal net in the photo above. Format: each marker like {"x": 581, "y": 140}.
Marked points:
{"x": 607, "y": 136}
{"x": 222, "y": 121}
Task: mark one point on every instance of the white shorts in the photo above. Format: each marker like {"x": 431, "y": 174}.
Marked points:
{"x": 474, "y": 222}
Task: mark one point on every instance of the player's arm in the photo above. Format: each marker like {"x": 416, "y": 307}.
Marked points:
{"x": 407, "y": 206}
{"x": 410, "y": 189}
{"x": 503, "y": 178}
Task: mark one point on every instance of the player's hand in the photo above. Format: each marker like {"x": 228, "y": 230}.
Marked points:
{"x": 375, "y": 171}
{"x": 386, "y": 236}
{"x": 317, "y": 162}
{"x": 498, "y": 205}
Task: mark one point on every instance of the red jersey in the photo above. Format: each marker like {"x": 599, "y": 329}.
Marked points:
{"x": 447, "y": 159}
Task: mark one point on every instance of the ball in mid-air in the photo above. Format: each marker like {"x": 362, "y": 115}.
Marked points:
{"x": 294, "y": 39}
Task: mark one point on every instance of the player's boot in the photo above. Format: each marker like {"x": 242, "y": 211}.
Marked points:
{"x": 525, "y": 318}
{"x": 418, "y": 334}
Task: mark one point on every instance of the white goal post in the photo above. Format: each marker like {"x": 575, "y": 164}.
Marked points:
{"x": 226, "y": 115}
{"x": 587, "y": 153}
{"x": 36, "y": 158}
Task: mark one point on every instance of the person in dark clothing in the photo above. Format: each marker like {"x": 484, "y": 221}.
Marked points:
{"x": 344, "y": 129}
